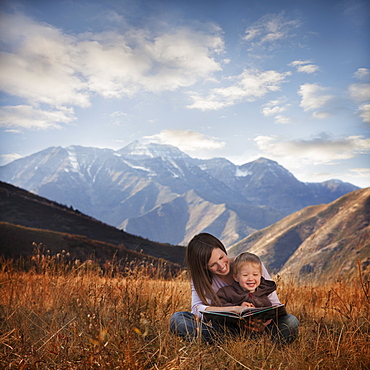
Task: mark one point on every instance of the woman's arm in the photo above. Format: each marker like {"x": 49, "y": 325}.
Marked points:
{"x": 235, "y": 309}
{"x": 273, "y": 297}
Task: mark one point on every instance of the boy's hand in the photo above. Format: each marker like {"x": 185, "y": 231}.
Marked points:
{"x": 246, "y": 304}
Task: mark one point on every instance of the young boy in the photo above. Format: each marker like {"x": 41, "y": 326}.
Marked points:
{"x": 249, "y": 289}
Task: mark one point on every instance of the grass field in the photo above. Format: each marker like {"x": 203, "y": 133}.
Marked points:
{"x": 56, "y": 314}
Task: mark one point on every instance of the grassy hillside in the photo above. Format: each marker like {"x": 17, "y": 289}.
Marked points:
{"x": 22, "y": 241}
{"x": 18, "y": 241}
{"x": 318, "y": 242}
{"x": 22, "y": 208}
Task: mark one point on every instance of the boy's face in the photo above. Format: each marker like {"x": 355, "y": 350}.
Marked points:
{"x": 249, "y": 276}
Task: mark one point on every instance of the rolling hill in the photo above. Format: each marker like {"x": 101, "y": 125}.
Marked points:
{"x": 19, "y": 241}
{"x": 318, "y": 243}
{"x": 22, "y": 208}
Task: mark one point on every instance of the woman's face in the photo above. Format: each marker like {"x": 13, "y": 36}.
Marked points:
{"x": 219, "y": 262}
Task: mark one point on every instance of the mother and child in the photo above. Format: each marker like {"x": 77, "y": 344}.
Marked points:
{"x": 219, "y": 283}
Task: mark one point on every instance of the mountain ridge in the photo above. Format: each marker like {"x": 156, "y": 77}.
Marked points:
{"x": 140, "y": 188}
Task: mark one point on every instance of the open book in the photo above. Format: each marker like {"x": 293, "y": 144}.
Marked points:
{"x": 261, "y": 314}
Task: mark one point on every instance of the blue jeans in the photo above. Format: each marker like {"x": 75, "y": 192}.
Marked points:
{"x": 188, "y": 327}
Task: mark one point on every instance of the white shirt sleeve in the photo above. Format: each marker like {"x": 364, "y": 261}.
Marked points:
{"x": 273, "y": 297}
{"x": 196, "y": 303}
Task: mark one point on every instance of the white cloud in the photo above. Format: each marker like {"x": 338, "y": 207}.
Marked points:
{"x": 360, "y": 92}
{"x": 304, "y": 66}
{"x": 282, "y": 120}
{"x": 320, "y": 150}
{"x": 271, "y": 28}
{"x": 275, "y": 107}
{"x": 26, "y": 116}
{"x": 296, "y": 63}
{"x": 252, "y": 32}
{"x": 40, "y": 67}
{"x": 365, "y": 112}
{"x": 361, "y": 172}
{"x": 115, "y": 68}
{"x": 272, "y": 111}
{"x": 250, "y": 85}
{"x": 309, "y": 68}
{"x": 314, "y": 96}
{"x": 184, "y": 57}
{"x": 7, "y": 158}
{"x": 43, "y": 65}
{"x": 363, "y": 74}
{"x": 186, "y": 140}
{"x": 321, "y": 114}
{"x": 352, "y": 176}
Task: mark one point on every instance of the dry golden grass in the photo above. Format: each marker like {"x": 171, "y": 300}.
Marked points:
{"x": 59, "y": 315}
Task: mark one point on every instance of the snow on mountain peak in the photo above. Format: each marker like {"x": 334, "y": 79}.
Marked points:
{"x": 73, "y": 158}
{"x": 241, "y": 173}
{"x": 152, "y": 150}
{"x": 135, "y": 149}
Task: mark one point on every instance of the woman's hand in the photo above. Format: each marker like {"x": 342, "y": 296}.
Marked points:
{"x": 238, "y": 309}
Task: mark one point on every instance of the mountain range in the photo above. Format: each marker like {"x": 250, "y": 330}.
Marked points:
{"x": 162, "y": 194}
{"x": 314, "y": 245}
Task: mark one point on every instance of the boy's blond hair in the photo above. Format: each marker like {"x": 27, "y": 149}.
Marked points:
{"x": 243, "y": 258}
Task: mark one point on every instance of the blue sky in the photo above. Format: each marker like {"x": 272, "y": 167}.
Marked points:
{"x": 240, "y": 79}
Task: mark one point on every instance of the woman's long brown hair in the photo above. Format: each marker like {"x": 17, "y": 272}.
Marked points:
{"x": 198, "y": 253}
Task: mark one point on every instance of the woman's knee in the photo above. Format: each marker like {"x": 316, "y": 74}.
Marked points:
{"x": 292, "y": 323}
{"x": 285, "y": 330}
{"x": 181, "y": 321}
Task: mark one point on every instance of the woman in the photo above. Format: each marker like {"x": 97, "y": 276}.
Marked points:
{"x": 210, "y": 269}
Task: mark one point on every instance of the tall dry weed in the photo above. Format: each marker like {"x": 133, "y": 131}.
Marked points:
{"x": 59, "y": 314}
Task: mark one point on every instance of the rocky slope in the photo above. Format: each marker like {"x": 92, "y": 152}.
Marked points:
{"x": 318, "y": 243}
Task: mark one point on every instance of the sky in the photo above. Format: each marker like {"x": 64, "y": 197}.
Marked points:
{"x": 239, "y": 79}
